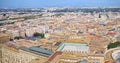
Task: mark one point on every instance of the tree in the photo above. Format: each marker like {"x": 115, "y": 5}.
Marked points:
{"x": 36, "y": 34}
{"x": 11, "y": 23}
{"x": 113, "y": 45}
{"x": 18, "y": 37}
{"x": 1, "y": 24}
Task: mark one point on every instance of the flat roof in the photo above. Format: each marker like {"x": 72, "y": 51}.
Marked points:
{"x": 38, "y": 51}
{"x": 70, "y": 44}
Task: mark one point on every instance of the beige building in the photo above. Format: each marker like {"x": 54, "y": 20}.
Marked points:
{"x": 75, "y": 58}
{"x": 12, "y": 55}
{"x": 4, "y": 37}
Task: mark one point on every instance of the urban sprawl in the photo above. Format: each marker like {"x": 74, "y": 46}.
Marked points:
{"x": 60, "y": 35}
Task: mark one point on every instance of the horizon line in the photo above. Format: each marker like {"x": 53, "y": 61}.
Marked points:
{"x": 58, "y": 7}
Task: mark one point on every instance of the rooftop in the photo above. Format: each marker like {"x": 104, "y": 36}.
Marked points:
{"x": 39, "y": 51}
{"x": 73, "y": 47}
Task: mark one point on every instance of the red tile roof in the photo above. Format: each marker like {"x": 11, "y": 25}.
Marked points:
{"x": 54, "y": 55}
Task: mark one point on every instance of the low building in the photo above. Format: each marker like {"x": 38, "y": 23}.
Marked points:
{"x": 23, "y": 55}
{"x": 75, "y": 53}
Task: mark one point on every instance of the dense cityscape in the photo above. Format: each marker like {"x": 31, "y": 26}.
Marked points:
{"x": 60, "y": 35}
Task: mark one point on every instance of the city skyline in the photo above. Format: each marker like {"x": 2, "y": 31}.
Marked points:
{"x": 57, "y": 3}
{"x": 59, "y": 31}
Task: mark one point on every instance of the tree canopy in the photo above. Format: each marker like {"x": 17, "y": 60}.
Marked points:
{"x": 113, "y": 45}
{"x": 36, "y": 34}
{"x": 18, "y": 37}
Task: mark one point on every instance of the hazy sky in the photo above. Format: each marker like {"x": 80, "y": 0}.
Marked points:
{"x": 58, "y": 3}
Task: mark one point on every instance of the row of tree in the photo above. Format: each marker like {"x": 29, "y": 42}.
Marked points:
{"x": 7, "y": 23}
{"x": 36, "y": 34}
